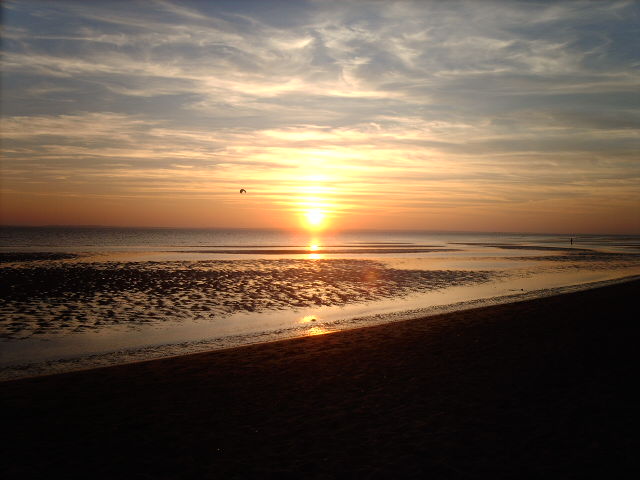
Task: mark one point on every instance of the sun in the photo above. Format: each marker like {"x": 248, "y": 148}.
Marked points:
{"x": 314, "y": 211}
{"x": 314, "y": 218}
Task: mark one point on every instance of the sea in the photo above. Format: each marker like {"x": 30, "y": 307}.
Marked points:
{"x": 84, "y": 297}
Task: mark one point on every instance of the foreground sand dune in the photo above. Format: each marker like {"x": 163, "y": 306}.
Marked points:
{"x": 537, "y": 389}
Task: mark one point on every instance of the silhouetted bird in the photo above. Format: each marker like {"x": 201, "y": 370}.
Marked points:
{"x": 242, "y": 190}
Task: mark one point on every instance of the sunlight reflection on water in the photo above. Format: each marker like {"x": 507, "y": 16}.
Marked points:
{"x": 308, "y": 319}
{"x": 141, "y": 304}
{"x": 317, "y": 331}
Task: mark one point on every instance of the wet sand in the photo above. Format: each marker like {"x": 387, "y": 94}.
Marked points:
{"x": 537, "y": 389}
{"x": 49, "y": 298}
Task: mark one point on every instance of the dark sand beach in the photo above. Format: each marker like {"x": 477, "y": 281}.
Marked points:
{"x": 537, "y": 389}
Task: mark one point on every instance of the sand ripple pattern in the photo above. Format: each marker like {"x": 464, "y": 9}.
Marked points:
{"x": 59, "y": 297}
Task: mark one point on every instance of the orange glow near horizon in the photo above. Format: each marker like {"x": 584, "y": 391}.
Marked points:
{"x": 304, "y": 119}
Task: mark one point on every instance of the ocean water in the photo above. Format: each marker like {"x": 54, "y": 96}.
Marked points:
{"x": 77, "y": 298}
{"x": 157, "y": 239}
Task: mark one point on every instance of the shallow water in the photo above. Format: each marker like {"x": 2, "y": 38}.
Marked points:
{"x": 73, "y": 304}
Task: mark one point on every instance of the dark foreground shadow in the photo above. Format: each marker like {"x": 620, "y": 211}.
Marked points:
{"x": 539, "y": 389}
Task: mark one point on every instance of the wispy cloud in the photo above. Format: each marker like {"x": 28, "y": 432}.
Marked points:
{"x": 416, "y": 110}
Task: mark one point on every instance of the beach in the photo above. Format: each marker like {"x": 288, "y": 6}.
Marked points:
{"x": 319, "y": 239}
{"x": 79, "y": 298}
{"x": 535, "y": 389}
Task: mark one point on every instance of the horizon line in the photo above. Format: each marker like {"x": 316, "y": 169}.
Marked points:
{"x": 80, "y": 226}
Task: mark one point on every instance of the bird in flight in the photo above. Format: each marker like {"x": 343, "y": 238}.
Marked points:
{"x": 242, "y": 190}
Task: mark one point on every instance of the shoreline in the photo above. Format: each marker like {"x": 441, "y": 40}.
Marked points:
{"x": 127, "y": 356}
{"x": 534, "y": 389}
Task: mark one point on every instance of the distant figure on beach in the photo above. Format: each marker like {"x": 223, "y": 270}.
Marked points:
{"x": 242, "y": 190}
{"x": 571, "y": 237}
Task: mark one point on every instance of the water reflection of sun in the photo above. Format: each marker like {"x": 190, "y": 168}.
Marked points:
{"x": 315, "y": 330}
{"x": 313, "y": 253}
{"x": 308, "y": 319}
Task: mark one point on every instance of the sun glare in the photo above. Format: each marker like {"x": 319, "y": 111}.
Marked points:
{"x": 315, "y": 218}
{"x": 313, "y": 204}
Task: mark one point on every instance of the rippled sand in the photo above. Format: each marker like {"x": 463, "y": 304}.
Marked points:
{"x": 48, "y": 297}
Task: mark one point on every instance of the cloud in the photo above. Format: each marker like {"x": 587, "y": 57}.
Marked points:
{"x": 471, "y": 103}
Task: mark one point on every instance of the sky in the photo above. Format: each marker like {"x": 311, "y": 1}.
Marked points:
{"x": 424, "y": 115}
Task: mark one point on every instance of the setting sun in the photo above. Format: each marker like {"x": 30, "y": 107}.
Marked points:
{"x": 315, "y": 218}
{"x": 204, "y": 185}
